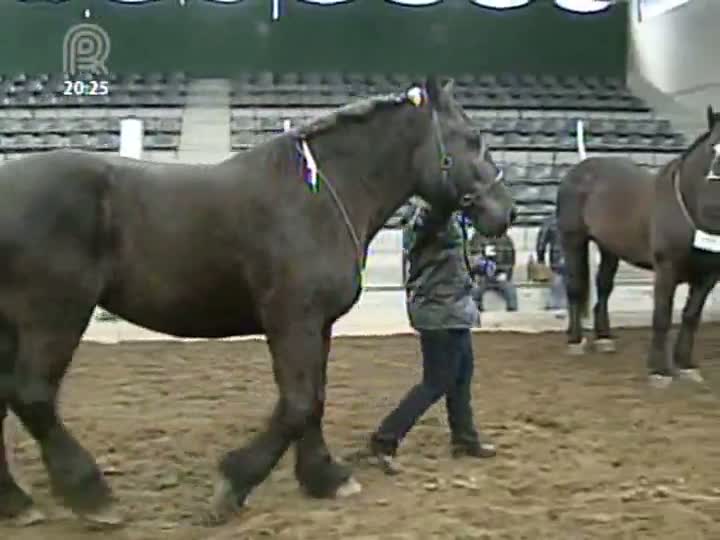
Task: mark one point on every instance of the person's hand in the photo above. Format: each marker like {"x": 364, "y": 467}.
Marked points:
{"x": 482, "y": 266}
{"x": 489, "y": 267}
{"x": 501, "y": 277}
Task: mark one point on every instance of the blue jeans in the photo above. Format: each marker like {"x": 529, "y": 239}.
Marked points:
{"x": 506, "y": 289}
{"x": 557, "y": 298}
{"x": 448, "y": 364}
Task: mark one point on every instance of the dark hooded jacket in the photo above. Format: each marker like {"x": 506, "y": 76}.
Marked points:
{"x": 548, "y": 236}
{"x": 439, "y": 284}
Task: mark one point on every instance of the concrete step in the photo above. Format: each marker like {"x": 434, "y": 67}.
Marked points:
{"x": 206, "y": 122}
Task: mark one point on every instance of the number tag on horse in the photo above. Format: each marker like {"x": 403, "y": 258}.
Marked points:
{"x": 706, "y": 242}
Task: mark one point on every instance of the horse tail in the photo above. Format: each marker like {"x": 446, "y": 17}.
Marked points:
{"x": 580, "y": 134}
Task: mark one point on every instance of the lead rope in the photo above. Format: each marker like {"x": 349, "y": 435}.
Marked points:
{"x": 678, "y": 195}
{"x": 360, "y": 259}
{"x": 463, "y": 228}
{"x": 346, "y": 218}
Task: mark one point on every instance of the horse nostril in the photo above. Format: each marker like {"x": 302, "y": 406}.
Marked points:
{"x": 513, "y": 215}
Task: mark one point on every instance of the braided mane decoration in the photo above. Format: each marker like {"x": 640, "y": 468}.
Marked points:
{"x": 354, "y": 112}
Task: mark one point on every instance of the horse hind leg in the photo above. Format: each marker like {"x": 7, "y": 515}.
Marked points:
{"x": 604, "y": 281}
{"x": 45, "y": 353}
{"x": 685, "y": 364}
{"x": 15, "y": 503}
{"x": 575, "y": 247}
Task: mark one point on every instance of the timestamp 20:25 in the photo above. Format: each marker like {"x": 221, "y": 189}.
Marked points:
{"x": 86, "y": 88}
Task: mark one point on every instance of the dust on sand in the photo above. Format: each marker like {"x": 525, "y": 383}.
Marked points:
{"x": 586, "y": 449}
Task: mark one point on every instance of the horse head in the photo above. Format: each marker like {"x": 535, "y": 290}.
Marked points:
{"x": 712, "y": 146}
{"x": 454, "y": 165}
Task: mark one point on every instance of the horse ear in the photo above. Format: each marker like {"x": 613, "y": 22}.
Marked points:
{"x": 710, "y": 117}
{"x": 449, "y": 86}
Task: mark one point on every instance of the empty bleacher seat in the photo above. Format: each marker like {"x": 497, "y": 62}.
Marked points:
{"x": 126, "y": 90}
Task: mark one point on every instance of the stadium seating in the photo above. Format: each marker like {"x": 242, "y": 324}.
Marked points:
{"x": 506, "y": 91}
{"x": 98, "y": 134}
{"x": 23, "y": 91}
{"x": 529, "y": 120}
{"x": 540, "y": 133}
{"x": 36, "y": 114}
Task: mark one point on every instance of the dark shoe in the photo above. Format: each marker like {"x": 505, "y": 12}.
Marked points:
{"x": 478, "y": 449}
{"x": 383, "y": 455}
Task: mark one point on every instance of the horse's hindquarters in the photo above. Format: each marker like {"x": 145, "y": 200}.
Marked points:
{"x": 618, "y": 213}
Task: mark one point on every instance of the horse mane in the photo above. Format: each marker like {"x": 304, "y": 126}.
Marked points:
{"x": 697, "y": 142}
{"x": 701, "y": 138}
{"x": 670, "y": 167}
{"x": 358, "y": 111}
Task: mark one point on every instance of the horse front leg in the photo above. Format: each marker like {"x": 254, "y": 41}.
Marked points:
{"x": 316, "y": 470}
{"x": 683, "y": 354}
{"x": 297, "y": 347}
{"x": 604, "y": 281}
{"x": 658, "y": 362}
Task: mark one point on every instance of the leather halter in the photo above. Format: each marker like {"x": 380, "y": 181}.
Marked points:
{"x": 446, "y": 163}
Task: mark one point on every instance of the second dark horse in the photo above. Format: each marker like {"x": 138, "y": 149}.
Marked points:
{"x": 241, "y": 247}
{"x": 667, "y": 223}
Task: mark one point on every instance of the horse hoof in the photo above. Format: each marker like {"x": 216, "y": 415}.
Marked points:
{"x": 659, "y": 382}
{"x": 28, "y": 518}
{"x": 348, "y": 488}
{"x": 577, "y": 349}
{"x": 103, "y": 519}
{"x": 224, "y": 504}
{"x": 692, "y": 375}
{"x": 604, "y": 345}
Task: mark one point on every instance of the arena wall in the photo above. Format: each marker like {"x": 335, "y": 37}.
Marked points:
{"x": 210, "y": 39}
{"x": 676, "y": 51}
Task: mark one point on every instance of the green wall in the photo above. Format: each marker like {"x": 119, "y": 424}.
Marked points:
{"x": 210, "y": 39}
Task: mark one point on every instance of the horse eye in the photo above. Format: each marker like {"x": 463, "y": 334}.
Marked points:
{"x": 447, "y": 162}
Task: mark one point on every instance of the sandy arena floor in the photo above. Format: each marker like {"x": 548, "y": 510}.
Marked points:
{"x": 587, "y": 450}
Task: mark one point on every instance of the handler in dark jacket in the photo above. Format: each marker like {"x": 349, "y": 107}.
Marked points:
{"x": 441, "y": 309}
{"x": 548, "y": 236}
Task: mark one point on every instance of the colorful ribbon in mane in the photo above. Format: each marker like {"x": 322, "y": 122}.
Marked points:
{"x": 309, "y": 166}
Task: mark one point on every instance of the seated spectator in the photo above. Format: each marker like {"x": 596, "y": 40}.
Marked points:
{"x": 498, "y": 276}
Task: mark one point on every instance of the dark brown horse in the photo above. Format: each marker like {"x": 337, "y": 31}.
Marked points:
{"x": 241, "y": 247}
{"x": 665, "y": 223}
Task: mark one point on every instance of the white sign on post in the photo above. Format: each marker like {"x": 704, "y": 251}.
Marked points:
{"x": 131, "y": 138}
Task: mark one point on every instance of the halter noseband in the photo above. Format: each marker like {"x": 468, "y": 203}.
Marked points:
{"x": 446, "y": 163}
